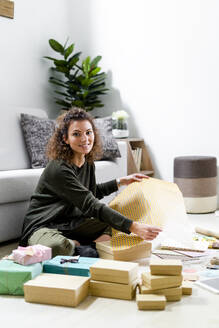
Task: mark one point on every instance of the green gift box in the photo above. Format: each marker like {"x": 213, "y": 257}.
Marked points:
{"x": 13, "y": 276}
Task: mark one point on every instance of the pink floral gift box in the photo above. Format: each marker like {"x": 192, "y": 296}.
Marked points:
{"x": 31, "y": 254}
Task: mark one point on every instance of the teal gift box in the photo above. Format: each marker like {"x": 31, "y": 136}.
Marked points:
{"x": 80, "y": 268}
{"x": 13, "y": 276}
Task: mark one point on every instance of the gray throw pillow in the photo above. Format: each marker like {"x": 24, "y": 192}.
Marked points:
{"x": 37, "y": 132}
{"x": 110, "y": 146}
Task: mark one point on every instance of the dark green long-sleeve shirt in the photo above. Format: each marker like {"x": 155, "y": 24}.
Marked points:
{"x": 65, "y": 196}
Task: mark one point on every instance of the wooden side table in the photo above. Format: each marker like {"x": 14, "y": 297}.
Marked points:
{"x": 145, "y": 161}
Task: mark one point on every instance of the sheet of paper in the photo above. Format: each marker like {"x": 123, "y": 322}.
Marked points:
{"x": 155, "y": 202}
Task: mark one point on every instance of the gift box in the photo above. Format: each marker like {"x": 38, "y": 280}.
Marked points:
{"x": 63, "y": 265}
{"x": 169, "y": 267}
{"x": 31, "y": 254}
{"x": 160, "y": 282}
{"x": 171, "y": 294}
{"x": 13, "y": 276}
{"x": 114, "y": 271}
{"x": 106, "y": 251}
{"x": 187, "y": 287}
{"x": 113, "y": 290}
{"x": 150, "y": 302}
{"x": 56, "y": 289}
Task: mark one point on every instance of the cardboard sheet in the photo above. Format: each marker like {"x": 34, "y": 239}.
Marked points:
{"x": 155, "y": 202}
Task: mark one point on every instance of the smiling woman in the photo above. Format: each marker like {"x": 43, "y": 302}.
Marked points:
{"x": 80, "y": 138}
{"x": 75, "y": 129}
{"x": 65, "y": 212}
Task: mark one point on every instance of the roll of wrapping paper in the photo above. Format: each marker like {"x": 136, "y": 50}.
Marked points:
{"x": 207, "y": 232}
{"x": 215, "y": 261}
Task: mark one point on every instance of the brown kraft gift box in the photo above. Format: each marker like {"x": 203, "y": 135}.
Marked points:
{"x": 150, "y": 302}
{"x": 168, "y": 267}
{"x": 160, "y": 282}
{"x": 56, "y": 289}
{"x": 112, "y": 290}
{"x": 132, "y": 253}
{"x": 114, "y": 271}
{"x": 171, "y": 294}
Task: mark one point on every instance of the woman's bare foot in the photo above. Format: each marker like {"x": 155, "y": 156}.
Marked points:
{"x": 103, "y": 238}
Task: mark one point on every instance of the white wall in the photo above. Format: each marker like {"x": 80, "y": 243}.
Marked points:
{"x": 23, "y": 42}
{"x": 163, "y": 63}
{"x": 161, "y": 56}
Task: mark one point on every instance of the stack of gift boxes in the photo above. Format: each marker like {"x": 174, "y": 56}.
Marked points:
{"x": 67, "y": 281}
{"x": 164, "y": 283}
{"x": 25, "y": 263}
{"x": 115, "y": 279}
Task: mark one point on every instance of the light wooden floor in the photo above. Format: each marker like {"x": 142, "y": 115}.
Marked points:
{"x": 200, "y": 309}
{"x": 6, "y": 248}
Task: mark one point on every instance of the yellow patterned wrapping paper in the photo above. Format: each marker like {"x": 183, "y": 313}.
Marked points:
{"x": 151, "y": 201}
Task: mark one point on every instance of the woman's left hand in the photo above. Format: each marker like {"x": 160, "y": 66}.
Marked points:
{"x": 136, "y": 177}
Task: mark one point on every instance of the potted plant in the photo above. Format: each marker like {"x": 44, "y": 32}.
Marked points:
{"x": 79, "y": 84}
{"x": 120, "y": 124}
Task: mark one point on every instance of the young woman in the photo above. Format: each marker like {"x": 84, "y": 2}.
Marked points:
{"x": 65, "y": 212}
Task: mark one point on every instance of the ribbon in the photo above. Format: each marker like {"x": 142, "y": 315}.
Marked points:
{"x": 74, "y": 259}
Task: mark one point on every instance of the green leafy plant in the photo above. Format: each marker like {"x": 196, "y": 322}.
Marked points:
{"x": 79, "y": 84}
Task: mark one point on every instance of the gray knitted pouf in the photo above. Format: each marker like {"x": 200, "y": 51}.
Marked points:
{"x": 196, "y": 177}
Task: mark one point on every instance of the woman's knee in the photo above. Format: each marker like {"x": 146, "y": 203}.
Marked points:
{"x": 54, "y": 239}
{"x": 63, "y": 247}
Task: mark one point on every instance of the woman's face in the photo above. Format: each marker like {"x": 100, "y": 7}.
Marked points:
{"x": 80, "y": 137}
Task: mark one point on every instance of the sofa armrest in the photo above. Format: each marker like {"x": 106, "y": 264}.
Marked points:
{"x": 109, "y": 170}
{"x": 122, "y": 161}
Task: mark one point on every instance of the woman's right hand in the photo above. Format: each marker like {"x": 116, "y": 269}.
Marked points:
{"x": 145, "y": 231}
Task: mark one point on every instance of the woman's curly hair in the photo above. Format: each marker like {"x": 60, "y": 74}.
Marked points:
{"x": 58, "y": 149}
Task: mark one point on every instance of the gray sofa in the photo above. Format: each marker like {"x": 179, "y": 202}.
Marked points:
{"x": 18, "y": 180}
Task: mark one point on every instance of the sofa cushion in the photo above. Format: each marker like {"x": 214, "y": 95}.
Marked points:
{"x": 18, "y": 185}
{"x": 13, "y": 152}
{"x": 37, "y": 132}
